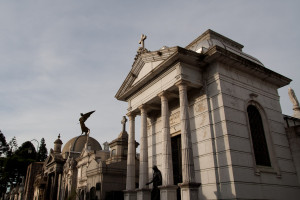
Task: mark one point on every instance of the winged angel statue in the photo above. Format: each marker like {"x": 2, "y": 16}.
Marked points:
{"x": 82, "y": 119}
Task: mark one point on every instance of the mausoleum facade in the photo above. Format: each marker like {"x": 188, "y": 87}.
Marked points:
{"x": 211, "y": 121}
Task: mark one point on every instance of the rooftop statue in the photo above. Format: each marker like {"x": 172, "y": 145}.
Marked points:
{"x": 82, "y": 119}
{"x": 293, "y": 98}
{"x": 295, "y": 102}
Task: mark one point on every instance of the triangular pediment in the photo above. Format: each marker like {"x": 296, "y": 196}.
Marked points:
{"x": 146, "y": 69}
{"x": 92, "y": 165}
{"x": 143, "y": 67}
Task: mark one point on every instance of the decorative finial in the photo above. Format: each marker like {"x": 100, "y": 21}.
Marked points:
{"x": 142, "y": 41}
{"x": 124, "y": 120}
{"x": 58, "y": 136}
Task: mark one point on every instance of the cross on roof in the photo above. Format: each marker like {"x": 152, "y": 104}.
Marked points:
{"x": 124, "y": 120}
{"x": 142, "y": 41}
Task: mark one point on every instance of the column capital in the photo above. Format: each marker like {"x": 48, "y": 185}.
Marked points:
{"x": 181, "y": 83}
{"x": 144, "y": 108}
{"x": 167, "y": 94}
{"x": 131, "y": 114}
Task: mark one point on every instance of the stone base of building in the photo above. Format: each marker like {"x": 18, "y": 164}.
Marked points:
{"x": 143, "y": 194}
{"x": 189, "y": 191}
{"x": 129, "y": 195}
{"x": 168, "y": 192}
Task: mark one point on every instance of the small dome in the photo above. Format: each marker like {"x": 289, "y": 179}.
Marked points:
{"x": 77, "y": 144}
{"x": 58, "y": 140}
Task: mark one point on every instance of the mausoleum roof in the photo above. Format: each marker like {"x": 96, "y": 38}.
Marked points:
{"x": 210, "y": 39}
{"x": 77, "y": 144}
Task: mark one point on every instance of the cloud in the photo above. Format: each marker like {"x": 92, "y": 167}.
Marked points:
{"x": 58, "y": 59}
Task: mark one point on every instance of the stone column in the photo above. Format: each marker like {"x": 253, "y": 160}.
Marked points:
{"x": 55, "y": 188}
{"x": 59, "y": 186}
{"x": 48, "y": 187}
{"x": 189, "y": 188}
{"x": 143, "y": 193}
{"x": 129, "y": 193}
{"x": 168, "y": 189}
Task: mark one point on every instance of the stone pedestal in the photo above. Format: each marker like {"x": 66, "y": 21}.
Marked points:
{"x": 168, "y": 192}
{"x": 143, "y": 194}
{"x": 189, "y": 191}
{"x": 129, "y": 195}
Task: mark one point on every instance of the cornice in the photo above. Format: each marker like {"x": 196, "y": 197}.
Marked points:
{"x": 243, "y": 64}
{"x": 210, "y": 34}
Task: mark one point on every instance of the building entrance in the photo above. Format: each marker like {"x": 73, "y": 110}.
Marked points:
{"x": 177, "y": 161}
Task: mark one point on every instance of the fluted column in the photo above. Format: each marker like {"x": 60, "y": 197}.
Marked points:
{"x": 189, "y": 189}
{"x": 130, "y": 178}
{"x": 167, "y": 190}
{"x": 166, "y": 167}
{"x": 143, "y": 176}
{"x": 143, "y": 193}
{"x": 129, "y": 193}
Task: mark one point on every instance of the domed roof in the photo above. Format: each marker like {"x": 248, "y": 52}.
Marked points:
{"x": 210, "y": 39}
{"x": 58, "y": 140}
{"x": 77, "y": 144}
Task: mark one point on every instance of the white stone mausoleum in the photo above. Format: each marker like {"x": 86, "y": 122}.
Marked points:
{"x": 211, "y": 121}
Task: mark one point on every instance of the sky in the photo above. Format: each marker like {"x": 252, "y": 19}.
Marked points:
{"x": 62, "y": 58}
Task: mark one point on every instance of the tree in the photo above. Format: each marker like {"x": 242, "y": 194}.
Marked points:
{"x": 3, "y": 144}
{"x": 25, "y": 155}
{"x": 14, "y": 166}
{"x": 43, "y": 152}
{"x": 3, "y": 176}
{"x": 13, "y": 145}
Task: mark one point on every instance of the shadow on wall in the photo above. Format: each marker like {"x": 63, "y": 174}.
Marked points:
{"x": 212, "y": 168}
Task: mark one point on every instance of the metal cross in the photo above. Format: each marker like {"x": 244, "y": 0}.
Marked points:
{"x": 142, "y": 41}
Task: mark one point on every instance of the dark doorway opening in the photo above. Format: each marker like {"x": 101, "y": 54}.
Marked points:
{"x": 177, "y": 162}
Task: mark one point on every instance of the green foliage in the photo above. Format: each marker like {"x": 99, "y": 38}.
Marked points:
{"x": 43, "y": 152}
{"x": 3, "y": 145}
{"x": 14, "y": 165}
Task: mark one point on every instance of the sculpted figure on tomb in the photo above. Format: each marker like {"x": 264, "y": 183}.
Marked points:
{"x": 82, "y": 119}
{"x": 157, "y": 181}
{"x": 295, "y": 102}
{"x": 293, "y": 98}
